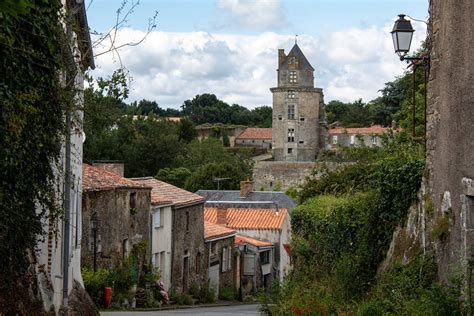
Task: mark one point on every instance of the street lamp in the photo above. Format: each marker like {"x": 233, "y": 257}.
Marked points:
{"x": 402, "y": 34}
{"x": 95, "y": 228}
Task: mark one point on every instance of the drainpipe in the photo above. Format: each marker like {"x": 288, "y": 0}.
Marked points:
{"x": 173, "y": 216}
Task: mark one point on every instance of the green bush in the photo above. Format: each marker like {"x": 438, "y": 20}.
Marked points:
{"x": 184, "y": 299}
{"x": 228, "y": 294}
{"x": 95, "y": 282}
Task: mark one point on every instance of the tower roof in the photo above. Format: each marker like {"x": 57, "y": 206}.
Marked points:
{"x": 303, "y": 62}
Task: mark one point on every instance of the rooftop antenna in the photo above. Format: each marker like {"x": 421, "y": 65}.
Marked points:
{"x": 218, "y": 180}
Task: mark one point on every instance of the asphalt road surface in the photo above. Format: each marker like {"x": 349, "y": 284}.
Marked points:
{"x": 245, "y": 310}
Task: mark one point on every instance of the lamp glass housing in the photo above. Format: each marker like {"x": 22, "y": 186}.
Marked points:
{"x": 402, "y": 35}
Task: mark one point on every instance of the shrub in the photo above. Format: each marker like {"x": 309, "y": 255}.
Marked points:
{"x": 228, "y": 294}
{"x": 95, "y": 282}
{"x": 184, "y": 299}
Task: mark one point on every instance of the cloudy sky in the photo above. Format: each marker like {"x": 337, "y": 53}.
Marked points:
{"x": 229, "y": 47}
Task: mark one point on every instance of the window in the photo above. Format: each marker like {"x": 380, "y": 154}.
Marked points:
{"x": 353, "y": 139}
{"x": 162, "y": 261}
{"x": 213, "y": 248}
{"x": 133, "y": 201}
{"x": 290, "y": 150}
{"x": 291, "y": 135}
{"x": 198, "y": 263}
{"x": 265, "y": 257}
{"x": 187, "y": 221}
{"x": 302, "y": 119}
{"x": 279, "y": 117}
{"x": 334, "y": 140}
{"x": 224, "y": 259}
{"x": 301, "y": 141}
{"x": 292, "y": 60}
{"x": 374, "y": 140}
{"x": 291, "y": 112}
{"x": 157, "y": 218}
{"x": 125, "y": 249}
{"x": 292, "y": 76}
{"x": 291, "y": 94}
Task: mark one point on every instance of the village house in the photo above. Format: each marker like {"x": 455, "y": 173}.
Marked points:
{"x": 264, "y": 224}
{"x": 178, "y": 247}
{"x": 356, "y": 137}
{"x": 115, "y": 217}
{"x": 220, "y": 255}
{"x": 255, "y": 263}
{"x": 58, "y": 260}
{"x": 255, "y": 137}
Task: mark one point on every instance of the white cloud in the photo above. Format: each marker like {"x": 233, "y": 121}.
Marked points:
{"x": 254, "y": 14}
{"x": 173, "y": 67}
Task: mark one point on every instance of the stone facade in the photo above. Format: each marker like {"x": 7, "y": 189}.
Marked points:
{"x": 281, "y": 175}
{"x": 298, "y": 112}
{"x": 124, "y": 220}
{"x": 188, "y": 263}
{"x": 450, "y": 129}
{"x": 216, "y": 251}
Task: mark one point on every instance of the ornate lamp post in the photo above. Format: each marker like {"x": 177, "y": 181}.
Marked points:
{"x": 94, "y": 228}
{"x": 402, "y": 35}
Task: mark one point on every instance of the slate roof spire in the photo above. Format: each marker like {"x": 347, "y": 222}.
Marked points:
{"x": 303, "y": 62}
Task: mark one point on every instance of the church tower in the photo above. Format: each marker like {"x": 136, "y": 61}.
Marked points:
{"x": 298, "y": 129}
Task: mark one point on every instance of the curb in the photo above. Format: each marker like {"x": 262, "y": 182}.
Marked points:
{"x": 176, "y": 307}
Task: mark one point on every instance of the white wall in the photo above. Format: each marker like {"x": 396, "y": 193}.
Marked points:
{"x": 161, "y": 242}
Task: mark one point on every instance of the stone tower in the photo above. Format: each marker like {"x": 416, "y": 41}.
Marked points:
{"x": 299, "y": 122}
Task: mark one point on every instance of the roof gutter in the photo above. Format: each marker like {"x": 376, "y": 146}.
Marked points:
{"x": 220, "y": 238}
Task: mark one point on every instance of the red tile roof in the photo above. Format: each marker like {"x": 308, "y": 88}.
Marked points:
{"x": 256, "y": 133}
{"x": 241, "y": 240}
{"x": 249, "y": 218}
{"x": 212, "y": 231}
{"x": 374, "y": 129}
{"x": 165, "y": 193}
{"x": 97, "y": 179}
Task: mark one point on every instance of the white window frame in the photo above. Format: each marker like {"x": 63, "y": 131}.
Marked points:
{"x": 293, "y": 77}
{"x": 374, "y": 139}
{"x": 353, "y": 139}
{"x": 157, "y": 218}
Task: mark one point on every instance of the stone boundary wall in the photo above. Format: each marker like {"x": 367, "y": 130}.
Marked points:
{"x": 281, "y": 175}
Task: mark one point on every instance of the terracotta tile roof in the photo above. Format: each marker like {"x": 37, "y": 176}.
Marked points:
{"x": 212, "y": 231}
{"x": 256, "y": 133}
{"x": 97, "y": 179}
{"x": 374, "y": 129}
{"x": 165, "y": 193}
{"x": 249, "y": 218}
{"x": 241, "y": 240}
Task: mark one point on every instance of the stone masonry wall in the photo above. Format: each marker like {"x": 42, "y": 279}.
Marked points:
{"x": 188, "y": 241}
{"x": 118, "y": 223}
{"x": 226, "y": 279}
{"x": 281, "y": 175}
{"x": 450, "y": 156}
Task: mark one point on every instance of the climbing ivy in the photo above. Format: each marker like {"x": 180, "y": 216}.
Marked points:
{"x": 31, "y": 132}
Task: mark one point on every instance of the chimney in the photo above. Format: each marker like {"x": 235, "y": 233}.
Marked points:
{"x": 245, "y": 188}
{"x": 113, "y": 166}
{"x": 221, "y": 216}
{"x": 281, "y": 57}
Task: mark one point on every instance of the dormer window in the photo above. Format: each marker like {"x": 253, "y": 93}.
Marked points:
{"x": 292, "y": 60}
{"x": 293, "y": 76}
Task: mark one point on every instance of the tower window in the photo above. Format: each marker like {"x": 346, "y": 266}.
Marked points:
{"x": 290, "y": 151}
{"x": 291, "y": 94}
{"x": 279, "y": 117}
{"x": 291, "y": 135}
{"x": 292, "y": 60}
{"x": 291, "y": 112}
{"x": 292, "y": 76}
{"x": 334, "y": 139}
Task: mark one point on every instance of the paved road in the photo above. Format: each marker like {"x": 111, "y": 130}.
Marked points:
{"x": 198, "y": 311}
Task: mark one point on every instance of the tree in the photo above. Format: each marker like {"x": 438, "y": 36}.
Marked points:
{"x": 187, "y": 131}
{"x": 204, "y": 177}
{"x": 174, "y": 176}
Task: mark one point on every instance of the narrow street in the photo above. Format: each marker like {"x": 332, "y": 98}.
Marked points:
{"x": 197, "y": 311}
